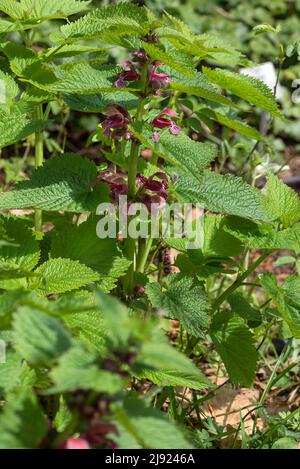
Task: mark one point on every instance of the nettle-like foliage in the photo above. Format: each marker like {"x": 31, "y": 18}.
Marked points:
{"x": 79, "y": 360}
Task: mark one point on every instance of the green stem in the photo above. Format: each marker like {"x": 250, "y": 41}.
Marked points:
{"x": 39, "y": 159}
{"x": 238, "y": 282}
{"x": 130, "y": 246}
{"x": 143, "y": 255}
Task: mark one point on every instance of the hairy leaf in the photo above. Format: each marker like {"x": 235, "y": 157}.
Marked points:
{"x": 38, "y": 337}
{"x": 61, "y": 275}
{"x": 63, "y": 183}
{"x": 234, "y": 342}
{"x": 183, "y": 299}
{"x": 22, "y": 423}
{"x": 226, "y": 194}
{"x": 245, "y": 87}
{"x": 284, "y": 302}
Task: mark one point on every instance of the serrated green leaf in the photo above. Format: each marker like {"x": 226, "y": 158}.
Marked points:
{"x": 173, "y": 58}
{"x": 83, "y": 78}
{"x": 61, "y": 275}
{"x": 226, "y": 194}
{"x": 282, "y": 203}
{"x": 9, "y": 89}
{"x": 200, "y": 86}
{"x": 77, "y": 370}
{"x": 63, "y": 416}
{"x": 15, "y": 127}
{"x": 164, "y": 365}
{"x": 185, "y": 152}
{"x": 263, "y": 235}
{"x": 15, "y": 373}
{"x": 234, "y": 342}
{"x": 82, "y": 243}
{"x": 263, "y": 28}
{"x": 121, "y": 19}
{"x": 182, "y": 299}
{"x": 245, "y": 87}
{"x": 233, "y": 123}
{"x": 63, "y": 183}
{"x": 38, "y": 337}
{"x": 285, "y": 303}
{"x": 42, "y": 9}
{"x": 24, "y": 251}
{"x": 22, "y": 424}
{"x": 149, "y": 427}
{"x": 99, "y": 102}
{"x": 216, "y": 241}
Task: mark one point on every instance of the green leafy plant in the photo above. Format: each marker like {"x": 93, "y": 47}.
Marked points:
{"x": 91, "y": 360}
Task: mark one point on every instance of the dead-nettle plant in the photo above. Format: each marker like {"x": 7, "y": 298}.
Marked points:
{"x": 79, "y": 313}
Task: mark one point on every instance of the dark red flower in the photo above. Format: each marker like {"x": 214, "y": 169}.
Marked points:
{"x": 152, "y": 191}
{"x": 161, "y": 122}
{"x": 127, "y": 75}
{"x": 116, "y": 122}
{"x": 140, "y": 56}
{"x": 116, "y": 182}
{"x": 158, "y": 80}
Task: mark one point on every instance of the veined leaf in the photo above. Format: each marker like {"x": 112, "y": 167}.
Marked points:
{"x": 174, "y": 59}
{"x": 163, "y": 364}
{"x": 99, "y": 102}
{"x": 42, "y": 9}
{"x": 198, "y": 85}
{"x": 15, "y": 373}
{"x": 263, "y": 235}
{"x": 15, "y": 127}
{"x": 234, "y": 342}
{"x": 217, "y": 242}
{"x": 82, "y": 243}
{"x": 9, "y": 89}
{"x": 233, "y": 123}
{"x": 120, "y": 19}
{"x": 245, "y": 87}
{"x": 24, "y": 251}
{"x": 76, "y": 369}
{"x": 62, "y": 275}
{"x": 185, "y": 152}
{"x": 226, "y": 194}
{"x": 63, "y": 183}
{"x": 282, "y": 203}
{"x": 183, "y": 299}
{"x": 38, "y": 337}
{"x": 22, "y": 423}
{"x": 148, "y": 426}
{"x": 288, "y": 308}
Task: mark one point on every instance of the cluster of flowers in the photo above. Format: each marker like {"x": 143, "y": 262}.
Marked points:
{"x": 152, "y": 190}
{"x": 117, "y": 119}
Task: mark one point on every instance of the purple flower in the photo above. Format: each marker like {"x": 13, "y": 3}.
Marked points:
{"x": 127, "y": 75}
{"x": 161, "y": 122}
{"x": 158, "y": 80}
{"x": 116, "y": 122}
{"x": 140, "y": 56}
{"x": 153, "y": 191}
